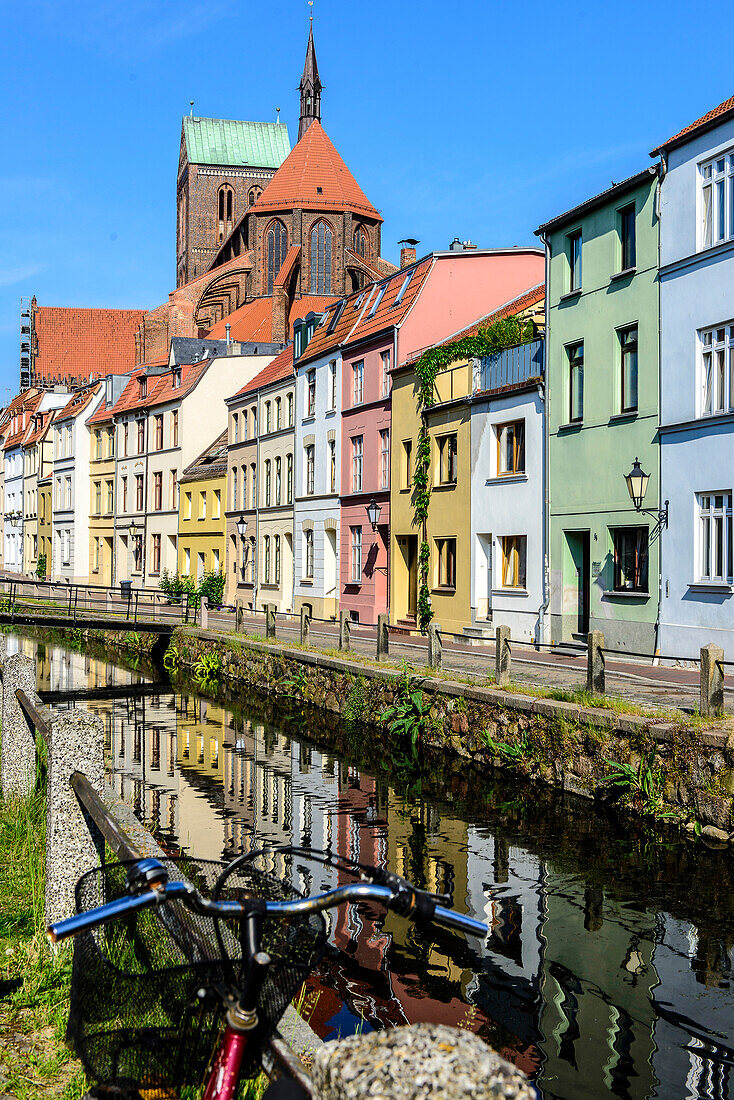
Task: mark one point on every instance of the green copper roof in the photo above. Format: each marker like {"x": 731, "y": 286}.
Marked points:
{"x": 223, "y": 141}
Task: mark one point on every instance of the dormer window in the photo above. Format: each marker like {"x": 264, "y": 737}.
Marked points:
{"x": 142, "y": 387}
{"x": 176, "y": 378}
{"x": 403, "y": 288}
{"x": 378, "y": 299}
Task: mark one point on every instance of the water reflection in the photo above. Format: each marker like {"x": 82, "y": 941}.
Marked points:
{"x": 608, "y": 966}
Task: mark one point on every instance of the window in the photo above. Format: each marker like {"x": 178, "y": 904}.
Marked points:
{"x": 138, "y": 492}
{"x": 289, "y": 479}
{"x": 514, "y": 554}
{"x": 217, "y": 508}
{"x": 384, "y": 458}
{"x": 715, "y": 545}
{"x": 320, "y": 259}
{"x": 157, "y": 491}
{"x": 251, "y": 560}
{"x": 234, "y": 489}
{"x": 628, "y": 237}
{"x": 110, "y": 508}
{"x": 187, "y": 562}
{"x": 187, "y": 505}
{"x": 332, "y": 384}
{"x": 356, "y": 554}
{"x": 717, "y": 370}
{"x": 310, "y": 392}
{"x": 407, "y": 470}
{"x": 124, "y": 494}
{"x": 69, "y": 448}
{"x": 174, "y": 428}
{"x": 360, "y": 240}
{"x": 138, "y": 553}
{"x": 159, "y": 432}
{"x": 447, "y": 459}
{"x": 142, "y": 387}
{"x": 235, "y": 428}
{"x": 403, "y": 287}
{"x": 446, "y": 561}
{"x": 289, "y": 405}
{"x": 385, "y": 373}
{"x": 310, "y": 464}
{"x": 202, "y": 504}
{"x": 630, "y": 559}
{"x": 176, "y": 378}
{"x": 97, "y": 443}
{"x": 308, "y": 552}
{"x": 628, "y": 364}
{"x": 278, "y": 404}
{"x": 357, "y": 382}
{"x": 357, "y": 459}
{"x": 141, "y": 436}
{"x": 216, "y": 564}
{"x": 717, "y": 200}
{"x": 155, "y": 553}
{"x": 66, "y": 547}
{"x": 266, "y": 559}
{"x": 378, "y": 298}
{"x": 268, "y": 426}
{"x": 268, "y": 465}
{"x": 276, "y": 556}
{"x": 244, "y": 486}
{"x": 124, "y": 438}
{"x": 97, "y": 498}
{"x": 332, "y": 465}
{"x": 253, "y": 419}
{"x": 110, "y": 442}
{"x": 174, "y": 488}
{"x": 511, "y": 448}
{"x": 96, "y": 555}
{"x": 573, "y": 244}
{"x": 575, "y": 382}
{"x": 278, "y": 479}
{"x": 253, "y": 485}
{"x": 277, "y": 246}
{"x": 67, "y": 498}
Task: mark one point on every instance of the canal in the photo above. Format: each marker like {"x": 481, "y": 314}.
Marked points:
{"x": 608, "y": 968}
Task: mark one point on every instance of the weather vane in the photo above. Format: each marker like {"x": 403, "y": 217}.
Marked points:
{"x": 310, "y": 4}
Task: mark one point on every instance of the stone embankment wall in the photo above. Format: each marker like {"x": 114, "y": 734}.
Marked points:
{"x": 560, "y": 744}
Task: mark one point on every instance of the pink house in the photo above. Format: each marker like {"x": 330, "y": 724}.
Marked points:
{"x": 375, "y": 330}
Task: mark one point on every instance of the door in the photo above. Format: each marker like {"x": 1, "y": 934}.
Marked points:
{"x": 576, "y": 582}
{"x": 483, "y": 579}
{"x": 201, "y": 567}
{"x": 411, "y": 561}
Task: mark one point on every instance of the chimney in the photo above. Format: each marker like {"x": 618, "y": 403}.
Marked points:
{"x": 228, "y": 330}
{"x": 456, "y": 245}
{"x": 407, "y": 252}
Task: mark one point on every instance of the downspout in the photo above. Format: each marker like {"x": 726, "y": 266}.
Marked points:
{"x": 543, "y": 390}
{"x": 658, "y": 203}
{"x": 256, "y": 555}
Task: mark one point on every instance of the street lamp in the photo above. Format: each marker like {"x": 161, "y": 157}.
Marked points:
{"x": 637, "y": 481}
{"x": 241, "y": 527}
{"x": 373, "y": 513}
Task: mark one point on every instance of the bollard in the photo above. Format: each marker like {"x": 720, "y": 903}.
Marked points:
{"x": 204, "y": 617}
{"x": 595, "y": 662}
{"x": 270, "y": 609}
{"x": 344, "y": 630}
{"x": 383, "y": 637}
{"x": 502, "y": 655}
{"x": 435, "y": 646}
{"x": 305, "y": 625}
{"x": 18, "y": 742}
{"x": 712, "y": 681}
{"x": 239, "y": 615}
{"x": 73, "y": 842}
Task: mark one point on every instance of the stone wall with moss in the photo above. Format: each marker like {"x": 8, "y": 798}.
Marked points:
{"x": 685, "y": 774}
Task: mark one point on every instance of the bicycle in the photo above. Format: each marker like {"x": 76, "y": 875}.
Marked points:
{"x": 150, "y": 1006}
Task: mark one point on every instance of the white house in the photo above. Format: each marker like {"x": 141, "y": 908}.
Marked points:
{"x": 697, "y": 385}
{"x": 70, "y": 485}
{"x": 507, "y": 491}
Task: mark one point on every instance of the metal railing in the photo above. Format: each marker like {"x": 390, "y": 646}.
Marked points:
{"x": 86, "y": 604}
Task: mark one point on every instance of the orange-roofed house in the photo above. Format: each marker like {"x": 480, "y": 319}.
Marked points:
{"x": 368, "y": 334}
{"x": 260, "y": 487}
{"x": 37, "y": 466}
{"x": 72, "y": 346}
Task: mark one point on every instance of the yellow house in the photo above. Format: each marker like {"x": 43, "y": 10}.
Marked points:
{"x": 45, "y": 523}
{"x": 201, "y": 512}
{"x": 448, "y": 527}
{"x": 102, "y": 496}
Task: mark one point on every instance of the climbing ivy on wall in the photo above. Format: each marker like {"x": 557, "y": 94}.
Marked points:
{"x": 508, "y": 332}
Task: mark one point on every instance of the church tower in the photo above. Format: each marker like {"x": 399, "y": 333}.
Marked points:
{"x": 310, "y": 88}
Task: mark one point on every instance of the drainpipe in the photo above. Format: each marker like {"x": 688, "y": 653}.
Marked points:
{"x": 256, "y": 556}
{"x": 658, "y": 203}
{"x": 542, "y": 389}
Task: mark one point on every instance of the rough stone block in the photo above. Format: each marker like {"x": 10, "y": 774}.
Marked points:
{"x": 18, "y": 766}
{"x": 434, "y": 645}
{"x": 383, "y": 637}
{"x": 344, "y": 631}
{"x": 502, "y": 655}
{"x": 712, "y": 680}
{"x": 595, "y": 680}
{"x": 420, "y": 1062}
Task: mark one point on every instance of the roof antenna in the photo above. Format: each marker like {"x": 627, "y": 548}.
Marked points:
{"x": 191, "y": 112}
{"x": 277, "y": 115}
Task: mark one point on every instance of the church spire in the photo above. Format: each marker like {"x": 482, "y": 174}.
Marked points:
{"x": 310, "y": 88}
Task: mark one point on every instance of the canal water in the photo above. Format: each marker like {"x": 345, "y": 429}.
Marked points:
{"x": 608, "y": 968}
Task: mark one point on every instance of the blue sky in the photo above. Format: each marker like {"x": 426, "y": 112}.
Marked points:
{"x": 477, "y": 120}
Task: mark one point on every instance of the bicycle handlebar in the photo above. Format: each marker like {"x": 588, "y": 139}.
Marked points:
{"x": 158, "y": 894}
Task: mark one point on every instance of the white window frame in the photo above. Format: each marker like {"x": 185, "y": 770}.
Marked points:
{"x": 384, "y": 458}
{"x": 355, "y": 541}
{"x": 385, "y": 356}
{"x": 311, "y": 392}
{"x": 332, "y": 384}
{"x": 308, "y": 554}
{"x": 716, "y": 386}
{"x": 716, "y": 176}
{"x": 357, "y": 463}
{"x": 714, "y": 528}
{"x": 310, "y": 469}
{"x": 358, "y": 382}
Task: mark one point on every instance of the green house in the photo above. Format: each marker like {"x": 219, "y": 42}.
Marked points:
{"x": 602, "y": 414}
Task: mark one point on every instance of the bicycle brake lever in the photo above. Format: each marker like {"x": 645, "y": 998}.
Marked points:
{"x": 402, "y": 886}
{"x": 144, "y": 875}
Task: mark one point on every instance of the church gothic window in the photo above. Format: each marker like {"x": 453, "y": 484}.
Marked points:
{"x": 225, "y": 211}
{"x": 321, "y": 259}
{"x": 277, "y": 246}
{"x": 360, "y": 241}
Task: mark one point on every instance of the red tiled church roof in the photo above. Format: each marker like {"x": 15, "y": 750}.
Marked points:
{"x": 705, "y": 122}
{"x": 314, "y": 177}
{"x": 281, "y": 367}
{"x": 74, "y": 344}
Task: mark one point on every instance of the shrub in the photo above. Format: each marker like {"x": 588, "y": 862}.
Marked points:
{"x": 41, "y": 567}
{"x": 212, "y": 586}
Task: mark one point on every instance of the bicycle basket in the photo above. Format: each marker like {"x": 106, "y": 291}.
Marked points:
{"x": 135, "y": 1019}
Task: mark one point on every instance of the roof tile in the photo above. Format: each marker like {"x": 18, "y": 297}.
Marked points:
{"x": 704, "y": 122}
{"x": 76, "y": 344}
{"x": 281, "y": 367}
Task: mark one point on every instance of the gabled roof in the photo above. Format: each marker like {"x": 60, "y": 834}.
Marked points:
{"x": 16, "y": 404}
{"x": 229, "y": 142}
{"x": 160, "y": 387}
{"x": 645, "y": 176}
{"x": 357, "y": 321}
{"x": 719, "y": 114}
{"x": 253, "y": 322}
{"x": 210, "y": 463}
{"x": 76, "y": 344}
{"x": 314, "y": 177}
{"x": 27, "y": 406}
{"x": 34, "y": 434}
{"x": 280, "y": 368}
{"x": 530, "y": 298}
{"x": 78, "y": 403}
